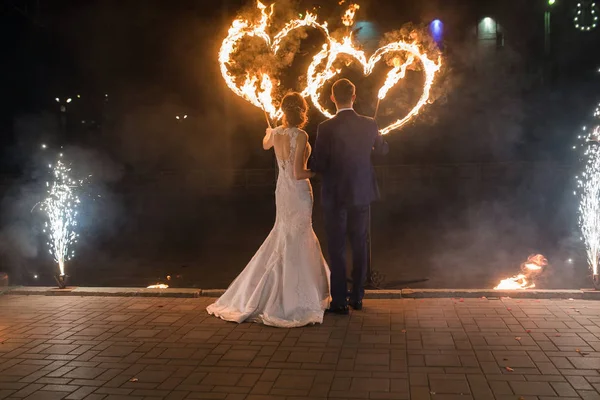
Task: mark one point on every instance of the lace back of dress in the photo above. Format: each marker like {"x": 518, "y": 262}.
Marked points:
{"x": 286, "y": 163}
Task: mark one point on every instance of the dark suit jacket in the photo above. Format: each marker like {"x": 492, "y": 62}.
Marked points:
{"x": 342, "y": 155}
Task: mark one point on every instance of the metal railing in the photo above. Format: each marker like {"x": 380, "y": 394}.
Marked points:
{"x": 386, "y": 174}
{"x": 390, "y": 177}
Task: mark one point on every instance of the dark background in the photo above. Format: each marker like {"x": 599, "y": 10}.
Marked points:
{"x": 481, "y": 179}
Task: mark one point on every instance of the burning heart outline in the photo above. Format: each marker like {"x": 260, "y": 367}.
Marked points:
{"x": 241, "y": 28}
{"x": 316, "y": 80}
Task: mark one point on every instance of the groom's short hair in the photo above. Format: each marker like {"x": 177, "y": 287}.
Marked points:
{"x": 343, "y": 90}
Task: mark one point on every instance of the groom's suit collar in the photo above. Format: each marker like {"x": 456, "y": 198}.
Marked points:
{"x": 345, "y": 109}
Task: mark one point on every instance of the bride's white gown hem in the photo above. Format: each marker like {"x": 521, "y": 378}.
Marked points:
{"x": 286, "y": 284}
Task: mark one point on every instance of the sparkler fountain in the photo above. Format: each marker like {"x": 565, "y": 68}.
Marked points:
{"x": 589, "y": 203}
{"x": 61, "y": 209}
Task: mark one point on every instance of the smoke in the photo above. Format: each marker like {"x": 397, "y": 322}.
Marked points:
{"x": 31, "y": 132}
{"x": 489, "y": 240}
{"x": 90, "y": 162}
{"x": 20, "y": 235}
{"x": 22, "y": 241}
{"x": 150, "y": 138}
{"x": 483, "y": 234}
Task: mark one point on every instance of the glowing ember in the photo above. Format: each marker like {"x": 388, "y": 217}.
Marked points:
{"x": 158, "y": 286}
{"x": 589, "y": 192}
{"x": 61, "y": 209}
{"x": 530, "y": 268}
{"x": 258, "y": 87}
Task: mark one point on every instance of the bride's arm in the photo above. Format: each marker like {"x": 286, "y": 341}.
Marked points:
{"x": 268, "y": 139}
{"x": 300, "y": 171}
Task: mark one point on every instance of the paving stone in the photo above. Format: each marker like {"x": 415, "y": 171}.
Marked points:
{"x": 532, "y": 388}
{"x": 59, "y": 349}
{"x": 563, "y": 389}
{"x": 589, "y": 395}
{"x": 100, "y": 348}
{"x": 585, "y": 362}
{"x": 445, "y": 386}
{"x": 45, "y": 395}
{"x": 84, "y": 373}
{"x": 442, "y": 361}
{"x": 117, "y": 351}
{"x": 372, "y": 359}
{"x": 20, "y": 370}
{"x": 370, "y": 385}
{"x": 293, "y": 382}
{"x": 60, "y": 388}
{"x": 29, "y": 389}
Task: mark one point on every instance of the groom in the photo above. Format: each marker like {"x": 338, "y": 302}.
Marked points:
{"x": 342, "y": 155}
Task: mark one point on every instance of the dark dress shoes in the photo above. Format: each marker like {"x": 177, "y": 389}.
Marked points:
{"x": 356, "y": 305}
{"x": 340, "y": 310}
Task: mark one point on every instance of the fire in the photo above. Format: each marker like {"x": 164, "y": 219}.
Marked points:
{"x": 239, "y": 29}
{"x": 530, "y": 268}
{"x": 316, "y": 80}
{"x": 260, "y": 95}
{"x": 259, "y": 88}
{"x": 309, "y": 20}
{"x": 158, "y": 286}
{"x": 348, "y": 18}
{"x": 395, "y": 75}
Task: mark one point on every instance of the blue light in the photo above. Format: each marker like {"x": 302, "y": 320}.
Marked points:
{"x": 437, "y": 29}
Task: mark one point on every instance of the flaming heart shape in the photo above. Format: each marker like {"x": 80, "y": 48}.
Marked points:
{"x": 258, "y": 88}
{"x": 259, "y": 94}
{"x": 316, "y": 80}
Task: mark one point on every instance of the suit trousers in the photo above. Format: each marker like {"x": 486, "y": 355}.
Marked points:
{"x": 340, "y": 223}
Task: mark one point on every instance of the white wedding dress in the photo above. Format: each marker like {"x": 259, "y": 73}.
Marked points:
{"x": 286, "y": 284}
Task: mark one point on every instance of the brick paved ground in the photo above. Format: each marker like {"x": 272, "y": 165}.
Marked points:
{"x": 110, "y": 348}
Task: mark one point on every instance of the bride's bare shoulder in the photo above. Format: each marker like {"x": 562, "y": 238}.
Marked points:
{"x": 302, "y": 134}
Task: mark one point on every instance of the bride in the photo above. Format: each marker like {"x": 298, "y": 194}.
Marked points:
{"x": 286, "y": 284}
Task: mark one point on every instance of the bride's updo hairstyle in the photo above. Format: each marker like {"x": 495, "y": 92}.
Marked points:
{"x": 294, "y": 109}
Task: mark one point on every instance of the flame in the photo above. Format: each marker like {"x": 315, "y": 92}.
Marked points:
{"x": 259, "y": 88}
{"x": 309, "y": 20}
{"x": 316, "y": 80}
{"x": 533, "y": 266}
{"x": 260, "y": 95}
{"x": 348, "y": 18}
{"x": 158, "y": 286}
{"x": 395, "y": 74}
{"x": 239, "y": 29}
{"x": 516, "y": 282}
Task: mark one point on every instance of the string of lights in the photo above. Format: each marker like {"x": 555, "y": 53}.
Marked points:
{"x": 586, "y": 15}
